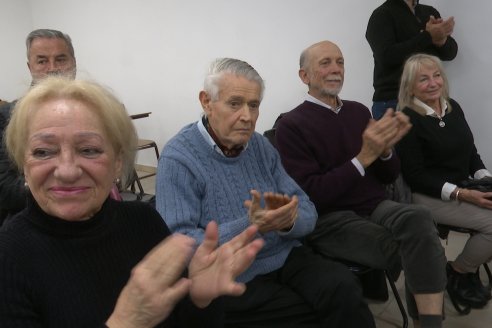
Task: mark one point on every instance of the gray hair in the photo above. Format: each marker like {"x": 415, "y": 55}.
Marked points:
{"x": 409, "y": 75}
{"x": 303, "y": 58}
{"x": 50, "y": 34}
{"x": 237, "y": 67}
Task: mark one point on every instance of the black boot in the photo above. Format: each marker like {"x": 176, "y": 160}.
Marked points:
{"x": 477, "y": 284}
{"x": 461, "y": 289}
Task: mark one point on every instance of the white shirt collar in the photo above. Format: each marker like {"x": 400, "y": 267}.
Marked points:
{"x": 319, "y": 102}
{"x": 428, "y": 110}
{"x": 210, "y": 140}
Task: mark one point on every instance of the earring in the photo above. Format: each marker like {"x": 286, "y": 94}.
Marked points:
{"x": 26, "y": 185}
{"x": 117, "y": 181}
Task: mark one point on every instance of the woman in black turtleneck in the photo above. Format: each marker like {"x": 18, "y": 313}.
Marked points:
{"x": 76, "y": 258}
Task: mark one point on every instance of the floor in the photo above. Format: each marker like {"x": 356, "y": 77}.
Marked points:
{"x": 387, "y": 314}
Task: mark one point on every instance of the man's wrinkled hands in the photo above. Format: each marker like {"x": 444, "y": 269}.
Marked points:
{"x": 279, "y": 214}
{"x": 380, "y": 136}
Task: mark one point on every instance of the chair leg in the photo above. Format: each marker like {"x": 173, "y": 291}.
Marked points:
{"x": 156, "y": 151}
{"x": 139, "y": 185}
{"x": 398, "y": 299}
{"x": 489, "y": 274}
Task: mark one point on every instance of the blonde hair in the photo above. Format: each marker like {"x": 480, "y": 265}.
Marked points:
{"x": 409, "y": 75}
{"x": 112, "y": 114}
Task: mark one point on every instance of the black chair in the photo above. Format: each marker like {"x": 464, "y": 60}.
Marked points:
{"x": 270, "y": 135}
{"x": 359, "y": 270}
{"x": 444, "y": 230}
{"x": 362, "y": 270}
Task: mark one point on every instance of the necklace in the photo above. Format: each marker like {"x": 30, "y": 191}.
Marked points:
{"x": 441, "y": 122}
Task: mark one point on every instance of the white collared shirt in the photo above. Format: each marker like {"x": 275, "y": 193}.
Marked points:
{"x": 208, "y": 138}
{"x": 428, "y": 110}
{"x": 319, "y": 102}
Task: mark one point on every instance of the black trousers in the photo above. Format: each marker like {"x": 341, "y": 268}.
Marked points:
{"x": 393, "y": 233}
{"x": 308, "y": 291}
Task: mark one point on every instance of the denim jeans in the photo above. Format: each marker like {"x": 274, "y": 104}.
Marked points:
{"x": 380, "y": 107}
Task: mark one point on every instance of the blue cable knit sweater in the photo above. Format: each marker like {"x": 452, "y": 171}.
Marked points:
{"x": 195, "y": 185}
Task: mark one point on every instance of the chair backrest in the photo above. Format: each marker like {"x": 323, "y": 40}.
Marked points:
{"x": 270, "y": 135}
{"x": 140, "y": 115}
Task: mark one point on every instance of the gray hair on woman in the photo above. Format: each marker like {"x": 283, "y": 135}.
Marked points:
{"x": 237, "y": 67}
{"x": 409, "y": 76}
{"x": 112, "y": 114}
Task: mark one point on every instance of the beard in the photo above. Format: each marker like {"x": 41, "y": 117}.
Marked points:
{"x": 69, "y": 74}
{"x": 331, "y": 92}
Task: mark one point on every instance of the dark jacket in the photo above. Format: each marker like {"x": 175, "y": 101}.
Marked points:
{"x": 394, "y": 34}
{"x": 12, "y": 190}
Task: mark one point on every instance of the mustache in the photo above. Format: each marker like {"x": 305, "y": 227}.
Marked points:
{"x": 334, "y": 78}
{"x": 69, "y": 73}
{"x": 60, "y": 73}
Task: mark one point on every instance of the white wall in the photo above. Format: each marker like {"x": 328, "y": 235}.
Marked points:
{"x": 154, "y": 53}
{"x": 470, "y": 73}
{"x": 15, "y": 24}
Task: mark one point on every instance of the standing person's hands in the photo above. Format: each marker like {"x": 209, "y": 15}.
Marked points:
{"x": 440, "y": 29}
{"x": 280, "y": 212}
{"x": 213, "y": 270}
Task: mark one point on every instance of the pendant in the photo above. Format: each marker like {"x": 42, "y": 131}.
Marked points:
{"x": 442, "y": 124}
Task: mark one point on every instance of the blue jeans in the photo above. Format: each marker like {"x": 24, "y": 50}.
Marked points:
{"x": 380, "y": 107}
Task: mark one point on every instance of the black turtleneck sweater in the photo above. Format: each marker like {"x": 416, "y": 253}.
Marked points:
{"x": 55, "y": 273}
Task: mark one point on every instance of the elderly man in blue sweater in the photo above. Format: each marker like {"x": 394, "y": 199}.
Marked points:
{"x": 220, "y": 169}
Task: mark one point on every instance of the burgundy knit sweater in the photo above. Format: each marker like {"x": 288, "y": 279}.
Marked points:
{"x": 317, "y": 145}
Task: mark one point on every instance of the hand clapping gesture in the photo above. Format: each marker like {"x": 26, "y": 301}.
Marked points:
{"x": 156, "y": 284}
{"x": 440, "y": 29}
{"x": 280, "y": 212}
{"x": 213, "y": 270}
{"x": 379, "y": 137}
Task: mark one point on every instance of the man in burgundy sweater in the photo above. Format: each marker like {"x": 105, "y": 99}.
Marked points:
{"x": 342, "y": 158}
